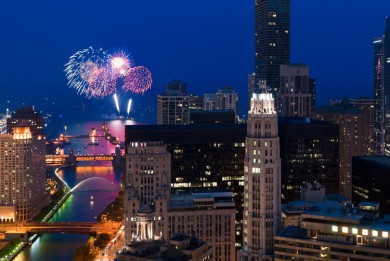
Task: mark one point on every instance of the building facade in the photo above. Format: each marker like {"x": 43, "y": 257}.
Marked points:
{"x": 371, "y": 174}
{"x": 204, "y": 156}
{"x": 294, "y": 97}
{"x": 336, "y": 232}
{"x": 22, "y": 174}
{"x": 152, "y": 213}
{"x": 262, "y": 180}
{"x": 173, "y": 107}
{"x": 309, "y": 152}
{"x": 382, "y": 92}
{"x": 366, "y": 105}
{"x": 26, "y": 117}
{"x": 227, "y": 99}
{"x": 351, "y": 138}
{"x": 272, "y": 40}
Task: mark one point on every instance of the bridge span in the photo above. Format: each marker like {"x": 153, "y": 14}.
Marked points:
{"x": 90, "y": 228}
{"x": 73, "y": 159}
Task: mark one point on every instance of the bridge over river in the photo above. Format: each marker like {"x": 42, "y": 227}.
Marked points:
{"x": 90, "y": 228}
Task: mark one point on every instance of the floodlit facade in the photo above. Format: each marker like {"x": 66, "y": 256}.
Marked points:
{"x": 22, "y": 174}
{"x": 262, "y": 180}
{"x": 152, "y": 213}
{"x": 331, "y": 231}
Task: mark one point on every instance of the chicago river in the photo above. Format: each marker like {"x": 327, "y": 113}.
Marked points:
{"x": 101, "y": 180}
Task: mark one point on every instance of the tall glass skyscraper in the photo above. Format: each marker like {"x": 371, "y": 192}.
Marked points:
{"x": 272, "y": 40}
{"x": 382, "y": 92}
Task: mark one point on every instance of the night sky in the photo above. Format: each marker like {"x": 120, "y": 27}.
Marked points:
{"x": 206, "y": 43}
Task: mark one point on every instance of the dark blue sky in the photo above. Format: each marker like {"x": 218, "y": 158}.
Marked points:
{"x": 207, "y": 43}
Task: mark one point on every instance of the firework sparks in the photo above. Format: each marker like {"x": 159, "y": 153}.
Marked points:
{"x": 80, "y": 67}
{"x": 120, "y": 63}
{"x": 116, "y": 102}
{"x": 138, "y": 80}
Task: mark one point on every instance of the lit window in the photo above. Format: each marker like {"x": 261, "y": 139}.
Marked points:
{"x": 344, "y": 229}
{"x": 335, "y": 228}
{"x": 385, "y": 234}
{"x": 375, "y": 233}
{"x": 365, "y": 232}
{"x": 355, "y": 231}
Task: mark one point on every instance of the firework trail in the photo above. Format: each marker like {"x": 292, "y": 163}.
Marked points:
{"x": 116, "y": 102}
{"x": 138, "y": 80}
{"x": 129, "y": 107}
{"x": 80, "y": 67}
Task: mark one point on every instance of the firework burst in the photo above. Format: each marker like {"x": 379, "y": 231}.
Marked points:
{"x": 138, "y": 80}
{"x": 95, "y": 73}
{"x": 101, "y": 83}
{"x": 80, "y": 67}
{"x": 120, "y": 63}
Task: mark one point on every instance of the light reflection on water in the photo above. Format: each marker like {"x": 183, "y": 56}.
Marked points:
{"x": 78, "y": 207}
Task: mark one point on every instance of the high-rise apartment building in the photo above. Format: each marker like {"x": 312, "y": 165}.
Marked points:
{"x": 227, "y": 99}
{"x": 22, "y": 174}
{"x": 351, "y": 135}
{"x": 294, "y": 97}
{"x": 272, "y": 40}
{"x": 366, "y": 105}
{"x": 262, "y": 210}
{"x": 173, "y": 107}
{"x": 152, "y": 213}
{"x": 382, "y": 92}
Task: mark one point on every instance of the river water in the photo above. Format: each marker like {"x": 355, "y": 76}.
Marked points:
{"x": 97, "y": 179}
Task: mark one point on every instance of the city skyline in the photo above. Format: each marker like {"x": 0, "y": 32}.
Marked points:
{"x": 41, "y": 36}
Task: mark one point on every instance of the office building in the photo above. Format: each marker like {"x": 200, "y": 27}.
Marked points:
{"x": 336, "y": 232}
{"x": 366, "y": 105}
{"x": 152, "y": 213}
{"x": 294, "y": 97}
{"x": 309, "y": 151}
{"x": 204, "y": 156}
{"x": 262, "y": 213}
{"x": 173, "y": 107}
{"x": 22, "y": 175}
{"x": 351, "y": 138}
{"x": 382, "y": 92}
{"x": 272, "y": 41}
{"x": 312, "y": 194}
{"x": 370, "y": 179}
{"x": 179, "y": 247}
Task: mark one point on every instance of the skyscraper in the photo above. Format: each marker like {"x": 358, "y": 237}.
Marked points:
{"x": 22, "y": 175}
{"x": 295, "y": 99}
{"x": 382, "y": 92}
{"x": 272, "y": 40}
{"x": 173, "y": 107}
{"x": 261, "y": 180}
{"x": 351, "y": 134}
